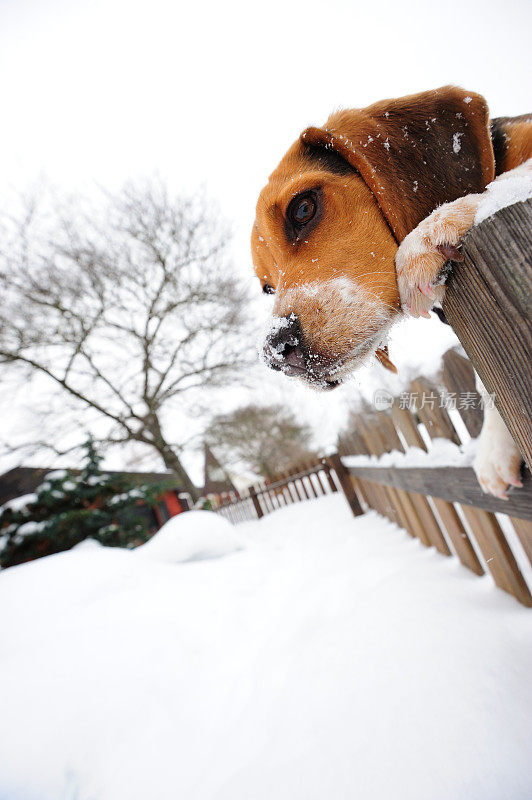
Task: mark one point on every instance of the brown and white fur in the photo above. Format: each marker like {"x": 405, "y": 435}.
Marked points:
{"x": 356, "y": 223}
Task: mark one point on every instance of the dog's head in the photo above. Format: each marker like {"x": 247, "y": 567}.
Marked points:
{"x": 331, "y": 217}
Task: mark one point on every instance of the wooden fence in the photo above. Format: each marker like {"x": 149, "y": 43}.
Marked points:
{"x": 489, "y": 305}
{"x": 443, "y": 506}
{"x": 303, "y": 483}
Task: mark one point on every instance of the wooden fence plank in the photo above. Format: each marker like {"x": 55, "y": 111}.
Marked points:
{"x": 347, "y": 485}
{"x": 415, "y": 524}
{"x": 287, "y": 493}
{"x": 523, "y": 528}
{"x": 406, "y": 422}
{"x": 388, "y": 432}
{"x": 312, "y": 486}
{"x": 404, "y": 503}
{"x": 435, "y": 419}
{"x": 361, "y": 491}
{"x": 380, "y": 436}
{"x": 430, "y": 523}
{"x": 497, "y": 554}
{"x": 318, "y": 478}
{"x": 255, "y": 500}
{"x": 291, "y": 488}
{"x": 489, "y": 305}
{"x": 304, "y": 488}
{"x": 458, "y": 535}
{"x": 458, "y": 377}
{"x": 332, "y": 486}
{"x": 390, "y": 440}
{"x": 296, "y": 490}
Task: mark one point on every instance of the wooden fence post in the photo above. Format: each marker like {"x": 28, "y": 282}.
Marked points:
{"x": 327, "y": 467}
{"x": 489, "y": 305}
{"x": 345, "y": 482}
{"x": 255, "y": 501}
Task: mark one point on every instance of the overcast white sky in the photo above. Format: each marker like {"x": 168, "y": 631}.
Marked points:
{"x": 212, "y": 93}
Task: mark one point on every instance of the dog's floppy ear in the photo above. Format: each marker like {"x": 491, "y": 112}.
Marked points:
{"x": 382, "y": 356}
{"x": 416, "y": 152}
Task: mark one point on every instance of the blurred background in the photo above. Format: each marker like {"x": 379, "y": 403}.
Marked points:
{"x": 135, "y": 139}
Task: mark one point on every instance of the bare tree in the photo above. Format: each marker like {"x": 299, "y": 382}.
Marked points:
{"x": 126, "y": 311}
{"x": 267, "y": 439}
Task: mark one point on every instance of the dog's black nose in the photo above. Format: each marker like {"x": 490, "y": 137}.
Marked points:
{"x": 284, "y": 346}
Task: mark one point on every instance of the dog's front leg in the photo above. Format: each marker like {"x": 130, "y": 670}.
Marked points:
{"x": 422, "y": 255}
{"x": 497, "y": 463}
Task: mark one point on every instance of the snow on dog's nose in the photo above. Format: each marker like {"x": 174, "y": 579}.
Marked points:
{"x": 283, "y": 349}
{"x": 319, "y": 331}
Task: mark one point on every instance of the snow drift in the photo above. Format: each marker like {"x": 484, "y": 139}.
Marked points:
{"x": 194, "y": 536}
{"x": 331, "y": 657}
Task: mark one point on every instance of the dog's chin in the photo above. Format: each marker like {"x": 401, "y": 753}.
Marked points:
{"x": 324, "y": 385}
{"x": 344, "y": 367}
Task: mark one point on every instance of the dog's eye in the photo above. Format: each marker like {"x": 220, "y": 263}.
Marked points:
{"x": 302, "y": 209}
{"x": 268, "y": 289}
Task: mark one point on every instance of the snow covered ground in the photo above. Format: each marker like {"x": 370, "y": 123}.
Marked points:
{"x": 307, "y": 656}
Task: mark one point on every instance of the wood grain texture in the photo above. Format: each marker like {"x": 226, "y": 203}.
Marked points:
{"x": 406, "y": 422}
{"x": 345, "y": 482}
{"x": 458, "y": 535}
{"x": 523, "y": 528}
{"x": 389, "y": 440}
{"x": 435, "y": 419}
{"x": 415, "y": 524}
{"x": 407, "y": 509}
{"x": 458, "y": 376}
{"x": 455, "y": 484}
{"x": 430, "y": 524}
{"x": 497, "y": 554}
{"x": 488, "y": 302}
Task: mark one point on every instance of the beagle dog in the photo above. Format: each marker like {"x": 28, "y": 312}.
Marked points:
{"x": 356, "y": 226}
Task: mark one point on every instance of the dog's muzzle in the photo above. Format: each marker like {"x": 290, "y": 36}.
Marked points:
{"x": 286, "y": 351}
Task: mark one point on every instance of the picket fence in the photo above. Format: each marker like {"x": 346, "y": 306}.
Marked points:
{"x": 489, "y": 305}
{"x": 443, "y": 506}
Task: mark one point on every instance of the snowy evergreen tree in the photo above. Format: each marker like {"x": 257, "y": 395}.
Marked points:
{"x": 68, "y": 508}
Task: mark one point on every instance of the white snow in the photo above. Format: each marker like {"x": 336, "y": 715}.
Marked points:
{"x": 511, "y": 187}
{"x": 457, "y": 145}
{"x": 30, "y": 527}
{"x": 19, "y": 503}
{"x": 331, "y": 657}
{"x": 94, "y": 480}
{"x": 442, "y": 453}
{"x": 119, "y": 498}
{"x": 196, "y": 536}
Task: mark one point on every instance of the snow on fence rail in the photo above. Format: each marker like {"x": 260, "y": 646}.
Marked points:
{"x": 488, "y": 303}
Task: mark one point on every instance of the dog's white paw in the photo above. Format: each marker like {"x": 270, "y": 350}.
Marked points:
{"x": 422, "y": 255}
{"x": 498, "y": 461}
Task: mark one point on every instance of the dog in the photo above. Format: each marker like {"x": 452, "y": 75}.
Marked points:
{"x": 357, "y": 224}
